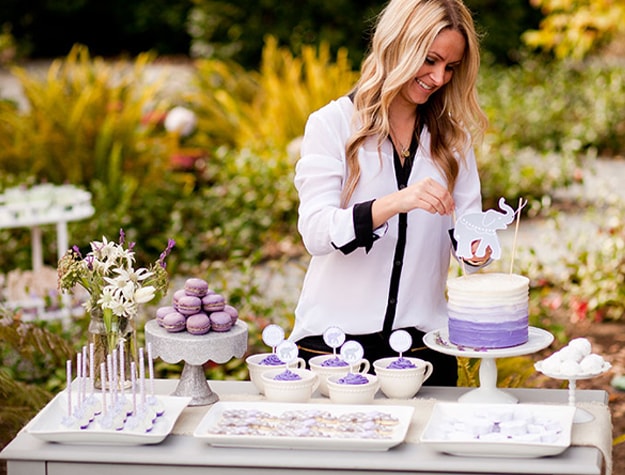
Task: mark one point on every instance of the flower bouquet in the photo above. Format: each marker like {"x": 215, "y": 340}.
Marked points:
{"x": 116, "y": 289}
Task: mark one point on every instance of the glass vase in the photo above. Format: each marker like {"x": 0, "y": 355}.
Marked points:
{"x": 119, "y": 340}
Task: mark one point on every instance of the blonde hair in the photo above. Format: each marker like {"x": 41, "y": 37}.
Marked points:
{"x": 404, "y": 34}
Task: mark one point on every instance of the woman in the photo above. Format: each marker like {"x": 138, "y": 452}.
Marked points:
{"x": 382, "y": 174}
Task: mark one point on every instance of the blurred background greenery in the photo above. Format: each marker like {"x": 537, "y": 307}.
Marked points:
{"x": 551, "y": 84}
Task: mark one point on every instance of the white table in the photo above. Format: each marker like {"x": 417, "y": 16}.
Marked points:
{"x": 185, "y": 455}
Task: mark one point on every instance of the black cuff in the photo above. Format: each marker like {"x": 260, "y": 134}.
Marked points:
{"x": 363, "y": 227}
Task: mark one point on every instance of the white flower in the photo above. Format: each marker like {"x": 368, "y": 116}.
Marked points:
{"x": 144, "y": 294}
{"x": 133, "y": 275}
{"x": 107, "y": 297}
{"x": 123, "y": 308}
{"x": 180, "y": 120}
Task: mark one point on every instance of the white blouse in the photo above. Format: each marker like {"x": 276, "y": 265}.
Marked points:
{"x": 351, "y": 290}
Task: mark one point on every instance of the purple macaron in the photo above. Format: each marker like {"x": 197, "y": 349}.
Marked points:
{"x": 178, "y": 294}
{"x": 174, "y": 322}
{"x": 196, "y": 287}
{"x": 161, "y": 312}
{"x": 220, "y": 321}
{"x": 189, "y": 305}
{"x": 233, "y": 312}
{"x": 213, "y": 303}
{"x": 198, "y": 324}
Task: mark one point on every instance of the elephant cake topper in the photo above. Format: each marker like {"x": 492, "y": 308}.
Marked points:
{"x": 482, "y": 227}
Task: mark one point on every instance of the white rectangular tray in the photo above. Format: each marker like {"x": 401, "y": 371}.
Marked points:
{"x": 393, "y": 433}
{"x": 47, "y": 425}
{"x": 437, "y": 435}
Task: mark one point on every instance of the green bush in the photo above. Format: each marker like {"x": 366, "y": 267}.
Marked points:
{"x": 556, "y": 107}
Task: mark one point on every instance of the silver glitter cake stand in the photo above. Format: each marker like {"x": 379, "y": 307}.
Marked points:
{"x": 438, "y": 340}
{"x": 195, "y": 351}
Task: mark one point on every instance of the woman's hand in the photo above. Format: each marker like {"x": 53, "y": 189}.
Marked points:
{"x": 478, "y": 260}
{"x": 427, "y": 194}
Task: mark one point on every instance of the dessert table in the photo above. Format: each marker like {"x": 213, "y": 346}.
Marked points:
{"x": 183, "y": 454}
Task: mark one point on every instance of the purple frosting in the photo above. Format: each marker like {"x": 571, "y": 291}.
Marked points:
{"x": 334, "y": 362}
{"x": 271, "y": 360}
{"x": 488, "y": 335}
{"x": 353, "y": 378}
{"x": 401, "y": 363}
{"x": 287, "y": 375}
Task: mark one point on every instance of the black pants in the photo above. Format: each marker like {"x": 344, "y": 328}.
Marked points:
{"x": 376, "y": 346}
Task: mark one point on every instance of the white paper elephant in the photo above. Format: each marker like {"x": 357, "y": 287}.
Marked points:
{"x": 482, "y": 227}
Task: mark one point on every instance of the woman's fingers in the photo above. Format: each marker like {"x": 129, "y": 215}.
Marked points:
{"x": 430, "y": 196}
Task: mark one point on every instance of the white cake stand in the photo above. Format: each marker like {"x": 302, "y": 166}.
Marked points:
{"x": 438, "y": 340}
{"x": 195, "y": 350}
{"x": 581, "y": 415}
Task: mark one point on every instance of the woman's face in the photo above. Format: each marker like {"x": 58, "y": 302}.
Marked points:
{"x": 443, "y": 57}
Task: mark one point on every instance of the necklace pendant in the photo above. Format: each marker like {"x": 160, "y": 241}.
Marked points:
{"x": 405, "y": 152}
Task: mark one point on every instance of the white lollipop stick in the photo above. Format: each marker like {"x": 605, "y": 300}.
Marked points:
{"x": 142, "y": 377}
{"x": 103, "y": 380}
{"x": 84, "y": 372}
{"x": 68, "y": 373}
{"x": 122, "y": 368}
{"x": 115, "y": 374}
{"x": 151, "y": 368}
{"x": 109, "y": 366}
{"x": 133, "y": 383}
{"x": 79, "y": 378}
{"x": 91, "y": 368}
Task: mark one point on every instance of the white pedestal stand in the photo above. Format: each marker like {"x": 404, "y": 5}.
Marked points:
{"x": 581, "y": 415}
{"x": 195, "y": 350}
{"x": 488, "y": 392}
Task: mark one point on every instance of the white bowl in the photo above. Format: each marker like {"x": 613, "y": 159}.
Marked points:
{"x": 353, "y": 393}
{"x": 402, "y": 383}
{"x": 299, "y": 390}
{"x": 324, "y": 372}
{"x": 255, "y": 369}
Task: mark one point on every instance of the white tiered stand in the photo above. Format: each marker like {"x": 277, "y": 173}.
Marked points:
{"x": 42, "y": 205}
{"x": 488, "y": 392}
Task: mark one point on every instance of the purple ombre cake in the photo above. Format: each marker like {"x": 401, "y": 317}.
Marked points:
{"x": 488, "y": 310}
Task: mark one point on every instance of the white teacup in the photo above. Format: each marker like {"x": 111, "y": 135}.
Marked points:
{"x": 297, "y": 390}
{"x": 256, "y": 369}
{"x": 402, "y": 383}
{"x": 353, "y": 393}
{"x": 324, "y": 372}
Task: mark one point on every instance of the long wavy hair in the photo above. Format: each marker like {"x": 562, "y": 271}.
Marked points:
{"x": 404, "y": 34}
